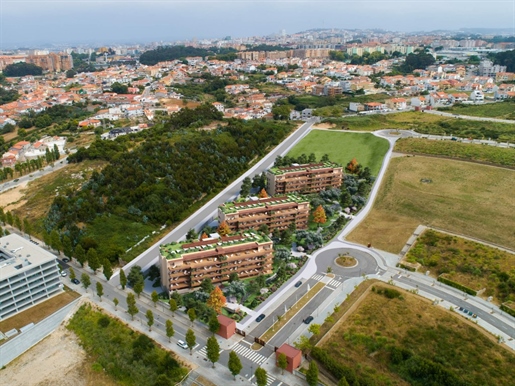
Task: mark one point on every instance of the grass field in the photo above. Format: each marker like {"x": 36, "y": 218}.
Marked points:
{"x": 501, "y": 110}
{"x": 463, "y": 198}
{"x": 40, "y": 311}
{"x": 425, "y": 123}
{"x": 471, "y": 264}
{"x": 342, "y": 147}
{"x": 468, "y": 151}
{"x": 403, "y": 339}
{"x": 40, "y": 193}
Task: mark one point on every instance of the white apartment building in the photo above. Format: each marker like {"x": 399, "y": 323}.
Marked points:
{"x": 28, "y": 275}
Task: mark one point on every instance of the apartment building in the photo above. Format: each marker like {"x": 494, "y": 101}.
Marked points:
{"x": 274, "y": 212}
{"x": 28, "y": 275}
{"x": 185, "y": 265}
{"x": 308, "y": 178}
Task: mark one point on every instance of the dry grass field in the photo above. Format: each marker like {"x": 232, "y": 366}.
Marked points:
{"x": 460, "y": 197}
{"x": 366, "y": 341}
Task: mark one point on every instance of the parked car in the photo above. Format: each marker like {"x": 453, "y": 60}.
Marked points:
{"x": 298, "y": 284}
{"x": 75, "y": 281}
{"x": 182, "y": 344}
{"x": 260, "y": 318}
{"x": 308, "y": 320}
{"x": 63, "y": 273}
{"x": 66, "y": 260}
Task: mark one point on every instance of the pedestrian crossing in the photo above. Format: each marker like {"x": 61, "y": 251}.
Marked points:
{"x": 248, "y": 353}
{"x": 317, "y": 277}
{"x": 269, "y": 380}
{"x": 203, "y": 351}
{"x": 334, "y": 283}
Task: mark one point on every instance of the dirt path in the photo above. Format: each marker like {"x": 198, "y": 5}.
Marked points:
{"x": 10, "y": 199}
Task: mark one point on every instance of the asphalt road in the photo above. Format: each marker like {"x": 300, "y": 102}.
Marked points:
{"x": 208, "y": 211}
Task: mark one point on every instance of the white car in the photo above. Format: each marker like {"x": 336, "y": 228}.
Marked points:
{"x": 182, "y": 344}
{"x": 63, "y": 274}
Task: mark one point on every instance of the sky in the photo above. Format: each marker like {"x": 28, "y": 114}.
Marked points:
{"x": 36, "y": 22}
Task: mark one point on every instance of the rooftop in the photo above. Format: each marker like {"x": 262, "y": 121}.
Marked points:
{"x": 295, "y": 168}
{"x": 176, "y": 250}
{"x": 18, "y": 254}
{"x": 232, "y": 207}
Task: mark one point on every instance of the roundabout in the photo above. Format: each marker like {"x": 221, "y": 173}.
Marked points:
{"x": 364, "y": 263}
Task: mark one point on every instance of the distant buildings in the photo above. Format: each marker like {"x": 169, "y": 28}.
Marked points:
{"x": 28, "y": 275}
{"x": 185, "y": 265}
{"x": 308, "y": 178}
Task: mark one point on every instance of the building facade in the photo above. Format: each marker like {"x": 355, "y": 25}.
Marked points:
{"x": 308, "y": 178}
{"x": 274, "y": 212}
{"x": 185, "y": 265}
{"x": 28, "y": 275}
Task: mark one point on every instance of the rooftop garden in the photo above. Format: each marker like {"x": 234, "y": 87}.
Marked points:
{"x": 287, "y": 169}
{"x": 232, "y": 207}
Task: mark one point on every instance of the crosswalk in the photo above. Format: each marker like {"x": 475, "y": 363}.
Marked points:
{"x": 203, "y": 351}
{"x": 269, "y": 380}
{"x": 317, "y": 277}
{"x": 248, "y": 353}
{"x": 334, "y": 283}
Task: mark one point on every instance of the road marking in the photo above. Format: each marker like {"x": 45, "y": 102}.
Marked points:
{"x": 317, "y": 277}
{"x": 269, "y": 380}
{"x": 248, "y": 353}
{"x": 203, "y": 351}
{"x": 335, "y": 283}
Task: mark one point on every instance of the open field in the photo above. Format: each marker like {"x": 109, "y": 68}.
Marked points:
{"x": 471, "y": 264}
{"x": 463, "y": 198}
{"x": 394, "y": 337}
{"x": 467, "y": 151}
{"x": 501, "y": 110}
{"x": 40, "y": 193}
{"x": 429, "y": 124}
{"x": 342, "y": 147}
{"x": 40, "y": 311}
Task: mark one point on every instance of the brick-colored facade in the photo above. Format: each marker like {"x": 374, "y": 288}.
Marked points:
{"x": 308, "y": 178}
{"x": 293, "y": 356}
{"x": 275, "y": 212}
{"x": 227, "y": 326}
{"x": 186, "y": 265}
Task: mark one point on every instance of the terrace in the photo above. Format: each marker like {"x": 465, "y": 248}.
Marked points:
{"x": 234, "y": 207}
{"x": 297, "y": 168}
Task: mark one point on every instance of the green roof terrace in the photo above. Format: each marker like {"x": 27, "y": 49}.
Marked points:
{"x": 233, "y": 207}
{"x": 295, "y": 168}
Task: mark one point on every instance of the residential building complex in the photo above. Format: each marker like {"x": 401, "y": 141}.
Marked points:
{"x": 274, "y": 212}
{"x": 28, "y": 274}
{"x": 185, "y": 265}
{"x": 308, "y": 178}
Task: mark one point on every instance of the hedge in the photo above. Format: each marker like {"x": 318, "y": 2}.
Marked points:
{"x": 507, "y": 309}
{"x": 336, "y": 369}
{"x": 411, "y": 269}
{"x": 457, "y": 285}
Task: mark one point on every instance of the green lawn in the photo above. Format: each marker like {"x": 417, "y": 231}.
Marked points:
{"x": 342, "y": 147}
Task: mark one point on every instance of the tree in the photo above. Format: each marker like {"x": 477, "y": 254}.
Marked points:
{"x": 314, "y": 329}
{"x": 207, "y": 285}
{"x": 192, "y": 315}
{"x": 263, "y": 193}
{"x": 123, "y": 279}
{"x": 281, "y": 112}
{"x": 150, "y": 319}
{"x": 233, "y": 276}
{"x": 234, "y": 364}
{"x": 80, "y": 255}
{"x": 343, "y": 382}
{"x": 92, "y": 257}
{"x": 107, "y": 269}
{"x": 72, "y": 273}
{"x": 169, "y": 330}
{"x": 100, "y": 290}
{"x": 10, "y": 220}
{"x": 67, "y": 247}
{"x": 132, "y": 309}
{"x": 223, "y": 229}
{"x": 191, "y": 340}
{"x": 282, "y": 362}
{"x": 319, "y": 216}
{"x": 303, "y": 344}
{"x": 135, "y": 275}
{"x": 119, "y": 88}
{"x": 173, "y": 306}
{"x": 155, "y": 298}
{"x": 22, "y": 69}
{"x": 27, "y": 226}
{"x": 138, "y": 287}
{"x": 216, "y": 300}
{"x": 312, "y": 374}
{"x": 261, "y": 378}
{"x": 115, "y": 302}
{"x": 214, "y": 324}
{"x": 191, "y": 235}
{"x": 352, "y": 166}
{"x": 70, "y": 73}
{"x": 245, "y": 187}
{"x": 86, "y": 281}
{"x": 55, "y": 241}
{"x": 213, "y": 350}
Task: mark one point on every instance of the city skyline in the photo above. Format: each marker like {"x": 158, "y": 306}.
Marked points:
{"x": 83, "y": 22}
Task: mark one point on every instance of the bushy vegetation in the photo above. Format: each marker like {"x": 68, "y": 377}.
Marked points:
{"x": 160, "y": 179}
{"x": 130, "y": 358}
{"x": 22, "y": 69}
{"x": 163, "y": 54}
{"x": 56, "y": 114}
{"x": 506, "y": 58}
{"x": 7, "y": 96}
{"x": 473, "y": 152}
{"x": 471, "y": 264}
{"x": 503, "y": 110}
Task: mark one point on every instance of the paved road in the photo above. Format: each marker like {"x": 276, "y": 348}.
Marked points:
{"x": 208, "y": 211}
